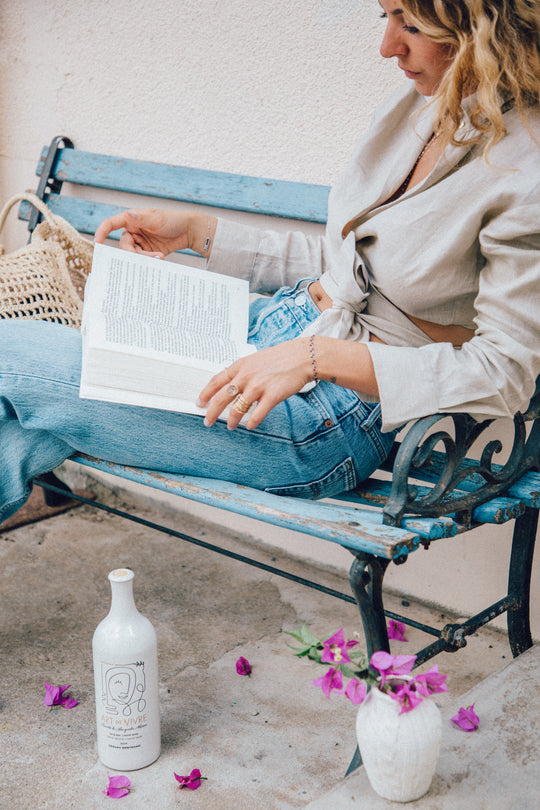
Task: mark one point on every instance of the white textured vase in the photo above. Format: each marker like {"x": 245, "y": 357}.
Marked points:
{"x": 399, "y": 751}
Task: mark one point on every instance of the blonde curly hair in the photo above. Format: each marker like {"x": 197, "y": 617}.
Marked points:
{"x": 497, "y": 55}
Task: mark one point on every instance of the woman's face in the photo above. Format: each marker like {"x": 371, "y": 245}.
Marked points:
{"x": 421, "y": 59}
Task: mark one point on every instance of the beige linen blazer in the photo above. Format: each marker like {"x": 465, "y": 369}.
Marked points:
{"x": 461, "y": 247}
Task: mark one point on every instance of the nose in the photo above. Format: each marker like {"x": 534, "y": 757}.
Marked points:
{"x": 392, "y": 43}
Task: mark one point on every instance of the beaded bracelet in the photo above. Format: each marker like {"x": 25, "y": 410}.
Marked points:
{"x": 312, "y": 356}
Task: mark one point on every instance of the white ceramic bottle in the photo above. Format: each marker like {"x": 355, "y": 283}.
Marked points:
{"x": 126, "y": 681}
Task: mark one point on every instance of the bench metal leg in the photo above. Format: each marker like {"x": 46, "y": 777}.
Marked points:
{"x": 366, "y": 577}
{"x": 519, "y": 581}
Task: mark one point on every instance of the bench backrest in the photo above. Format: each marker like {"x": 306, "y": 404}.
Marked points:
{"x": 61, "y": 163}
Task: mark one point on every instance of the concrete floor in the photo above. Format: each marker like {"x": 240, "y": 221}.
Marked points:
{"x": 268, "y": 741}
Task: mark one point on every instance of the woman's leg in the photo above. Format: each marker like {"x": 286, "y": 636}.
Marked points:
{"x": 309, "y": 445}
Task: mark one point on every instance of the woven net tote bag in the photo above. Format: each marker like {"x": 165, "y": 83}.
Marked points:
{"x": 45, "y": 279}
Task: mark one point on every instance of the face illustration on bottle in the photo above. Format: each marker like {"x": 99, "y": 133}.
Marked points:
{"x": 123, "y": 688}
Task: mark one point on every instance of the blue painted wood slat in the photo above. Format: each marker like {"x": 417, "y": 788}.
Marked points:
{"x": 375, "y": 492}
{"x": 351, "y": 527}
{"x": 257, "y": 195}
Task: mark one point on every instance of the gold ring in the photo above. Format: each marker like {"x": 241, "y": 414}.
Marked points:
{"x": 232, "y": 390}
{"x": 241, "y": 404}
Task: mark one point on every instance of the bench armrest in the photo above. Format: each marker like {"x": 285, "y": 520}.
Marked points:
{"x": 458, "y": 483}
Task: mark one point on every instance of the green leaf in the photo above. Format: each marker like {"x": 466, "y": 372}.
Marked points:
{"x": 296, "y": 635}
{"x": 308, "y": 636}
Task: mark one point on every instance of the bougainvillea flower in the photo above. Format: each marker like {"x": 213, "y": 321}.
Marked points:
{"x": 396, "y": 630}
{"x": 243, "y": 667}
{"x": 193, "y": 781}
{"x": 466, "y": 719}
{"x": 356, "y": 691}
{"x": 335, "y": 649}
{"x": 430, "y": 682}
{"x": 391, "y": 665}
{"x": 54, "y": 696}
{"x": 407, "y": 696}
{"x": 118, "y": 786}
{"x": 333, "y": 680}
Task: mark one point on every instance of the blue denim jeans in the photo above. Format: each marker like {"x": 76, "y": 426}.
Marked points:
{"x": 313, "y": 445}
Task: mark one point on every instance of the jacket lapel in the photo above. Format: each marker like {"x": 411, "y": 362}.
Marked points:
{"x": 396, "y": 156}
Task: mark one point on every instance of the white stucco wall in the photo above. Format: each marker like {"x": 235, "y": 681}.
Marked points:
{"x": 270, "y": 88}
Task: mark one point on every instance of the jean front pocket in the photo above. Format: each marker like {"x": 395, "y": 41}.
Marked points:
{"x": 368, "y": 420}
{"x": 340, "y": 479}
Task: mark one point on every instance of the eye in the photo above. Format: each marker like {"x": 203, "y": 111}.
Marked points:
{"x": 410, "y": 29}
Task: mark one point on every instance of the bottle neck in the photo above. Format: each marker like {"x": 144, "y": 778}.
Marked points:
{"x": 122, "y": 592}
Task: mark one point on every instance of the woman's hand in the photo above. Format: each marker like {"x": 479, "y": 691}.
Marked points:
{"x": 266, "y": 378}
{"x": 271, "y": 375}
{"x": 158, "y": 232}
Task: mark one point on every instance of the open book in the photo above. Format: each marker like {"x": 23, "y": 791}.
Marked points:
{"x": 154, "y": 332}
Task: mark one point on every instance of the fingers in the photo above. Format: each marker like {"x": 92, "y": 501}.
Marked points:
{"x": 133, "y": 238}
{"x": 227, "y": 390}
{"x": 129, "y": 241}
{"x": 255, "y": 384}
{"x": 114, "y": 223}
{"x": 222, "y": 391}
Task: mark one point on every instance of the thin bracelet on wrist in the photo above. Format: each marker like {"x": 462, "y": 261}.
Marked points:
{"x": 208, "y": 239}
{"x": 311, "y": 347}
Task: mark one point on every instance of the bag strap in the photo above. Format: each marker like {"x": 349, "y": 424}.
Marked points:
{"x": 33, "y": 200}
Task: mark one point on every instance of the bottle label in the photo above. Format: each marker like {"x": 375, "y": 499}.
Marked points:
{"x": 122, "y": 711}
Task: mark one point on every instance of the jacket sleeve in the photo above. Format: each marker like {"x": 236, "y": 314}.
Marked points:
{"x": 267, "y": 259}
{"x": 494, "y": 374}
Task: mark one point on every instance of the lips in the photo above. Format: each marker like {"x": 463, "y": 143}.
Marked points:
{"x": 410, "y": 74}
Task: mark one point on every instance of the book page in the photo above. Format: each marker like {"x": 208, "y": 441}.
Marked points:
{"x": 155, "y": 332}
{"x": 150, "y": 306}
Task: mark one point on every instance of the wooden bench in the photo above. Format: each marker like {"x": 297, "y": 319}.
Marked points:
{"x": 429, "y": 488}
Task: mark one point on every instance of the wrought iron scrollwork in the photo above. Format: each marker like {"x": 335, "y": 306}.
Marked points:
{"x": 459, "y": 483}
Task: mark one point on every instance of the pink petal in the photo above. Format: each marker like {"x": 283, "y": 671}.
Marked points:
{"x": 116, "y": 793}
{"x": 118, "y": 786}
{"x": 119, "y": 781}
{"x": 193, "y": 781}
{"x": 338, "y": 638}
{"x": 51, "y": 694}
{"x": 334, "y": 649}
{"x": 407, "y": 697}
{"x": 68, "y": 703}
{"x": 356, "y": 691}
{"x": 333, "y": 680}
{"x": 243, "y": 667}
{"x": 431, "y": 682}
{"x": 466, "y": 719}
{"x": 389, "y": 665}
{"x": 64, "y": 700}
{"x": 381, "y": 660}
{"x": 396, "y": 630}
{"x": 403, "y": 664}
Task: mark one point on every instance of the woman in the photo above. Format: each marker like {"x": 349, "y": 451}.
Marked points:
{"x": 422, "y": 297}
